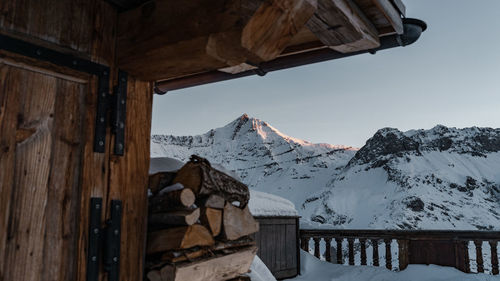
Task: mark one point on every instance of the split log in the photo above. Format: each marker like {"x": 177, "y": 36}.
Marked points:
{"x": 182, "y": 237}
{"x": 242, "y": 242}
{"x": 199, "y": 176}
{"x": 160, "y": 180}
{"x": 215, "y": 268}
{"x": 180, "y": 256}
{"x": 212, "y": 201}
{"x": 211, "y": 219}
{"x": 184, "y": 217}
{"x": 172, "y": 200}
{"x": 238, "y": 222}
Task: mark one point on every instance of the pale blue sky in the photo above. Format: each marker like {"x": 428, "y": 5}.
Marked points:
{"x": 451, "y": 76}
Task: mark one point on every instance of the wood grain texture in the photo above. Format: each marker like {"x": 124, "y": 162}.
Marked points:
{"x": 202, "y": 35}
{"x": 277, "y": 243}
{"x": 237, "y": 222}
{"x": 342, "y": 25}
{"x": 41, "y": 216}
{"x": 75, "y": 25}
{"x": 181, "y": 237}
{"x": 218, "y": 268}
{"x": 211, "y": 219}
{"x": 128, "y": 179}
{"x": 383, "y": 15}
{"x": 31, "y": 174}
{"x": 63, "y": 196}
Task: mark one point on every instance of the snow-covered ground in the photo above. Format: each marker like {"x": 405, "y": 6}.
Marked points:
{"x": 315, "y": 270}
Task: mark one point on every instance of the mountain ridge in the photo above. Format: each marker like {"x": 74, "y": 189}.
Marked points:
{"x": 416, "y": 179}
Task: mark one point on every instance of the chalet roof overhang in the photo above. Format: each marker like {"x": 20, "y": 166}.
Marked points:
{"x": 182, "y": 44}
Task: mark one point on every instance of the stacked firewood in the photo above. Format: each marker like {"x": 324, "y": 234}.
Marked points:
{"x": 199, "y": 225}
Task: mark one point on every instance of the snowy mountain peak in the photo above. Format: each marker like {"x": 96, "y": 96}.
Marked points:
{"x": 437, "y": 178}
{"x": 390, "y": 142}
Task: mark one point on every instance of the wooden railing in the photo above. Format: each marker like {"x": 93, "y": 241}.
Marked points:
{"x": 446, "y": 248}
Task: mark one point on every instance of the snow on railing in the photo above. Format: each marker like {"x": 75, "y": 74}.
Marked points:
{"x": 446, "y": 248}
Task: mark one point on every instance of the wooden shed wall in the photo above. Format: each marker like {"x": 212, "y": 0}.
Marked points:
{"x": 277, "y": 241}
{"x": 48, "y": 169}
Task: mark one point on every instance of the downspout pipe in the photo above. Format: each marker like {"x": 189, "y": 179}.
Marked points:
{"x": 413, "y": 28}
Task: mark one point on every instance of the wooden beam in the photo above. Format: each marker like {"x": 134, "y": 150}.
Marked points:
{"x": 386, "y": 17}
{"x": 342, "y": 26}
{"x": 391, "y": 14}
{"x": 167, "y": 39}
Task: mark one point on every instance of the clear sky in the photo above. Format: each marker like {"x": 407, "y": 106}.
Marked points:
{"x": 451, "y": 76}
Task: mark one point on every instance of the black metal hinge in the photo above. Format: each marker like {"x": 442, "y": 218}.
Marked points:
{"x": 120, "y": 112}
{"x": 106, "y": 239}
{"x": 105, "y": 102}
{"x": 117, "y": 105}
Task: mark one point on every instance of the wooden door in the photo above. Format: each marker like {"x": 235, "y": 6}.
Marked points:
{"x": 41, "y": 127}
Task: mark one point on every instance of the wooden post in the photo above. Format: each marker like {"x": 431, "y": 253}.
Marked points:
{"x": 388, "y": 254}
{"x": 403, "y": 254}
{"x": 316, "y": 247}
{"x": 350, "y": 242}
{"x": 304, "y": 243}
{"x": 375, "y": 252}
{"x": 494, "y": 257}
{"x": 328, "y": 251}
{"x": 462, "y": 256}
{"x": 479, "y": 255}
{"x": 339, "y": 250}
{"x": 362, "y": 241}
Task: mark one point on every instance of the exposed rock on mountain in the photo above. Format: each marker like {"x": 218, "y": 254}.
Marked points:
{"x": 439, "y": 178}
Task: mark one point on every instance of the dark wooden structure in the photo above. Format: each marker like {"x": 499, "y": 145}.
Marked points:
{"x": 278, "y": 243}
{"x": 77, "y": 79}
{"x": 446, "y": 248}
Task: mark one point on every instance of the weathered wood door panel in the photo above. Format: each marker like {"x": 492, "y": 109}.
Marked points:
{"x": 41, "y": 121}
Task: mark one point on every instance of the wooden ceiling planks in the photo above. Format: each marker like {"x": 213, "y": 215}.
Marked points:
{"x": 167, "y": 39}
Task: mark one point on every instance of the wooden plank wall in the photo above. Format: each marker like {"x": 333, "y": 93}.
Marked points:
{"x": 39, "y": 202}
{"x": 48, "y": 168}
{"x": 129, "y": 179}
{"x": 277, "y": 243}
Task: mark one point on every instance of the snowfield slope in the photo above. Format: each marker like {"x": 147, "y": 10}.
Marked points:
{"x": 443, "y": 178}
{"x": 265, "y": 159}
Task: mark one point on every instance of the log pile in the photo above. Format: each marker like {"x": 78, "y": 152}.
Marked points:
{"x": 199, "y": 225}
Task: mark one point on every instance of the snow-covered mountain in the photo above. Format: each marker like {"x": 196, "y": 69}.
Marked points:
{"x": 435, "y": 179}
{"x": 264, "y": 158}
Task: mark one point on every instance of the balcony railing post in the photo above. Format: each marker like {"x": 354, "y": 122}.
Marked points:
{"x": 350, "y": 242}
{"x": 316, "y": 246}
{"x": 375, "y": 252}
{"x": 494, "y": 257}
{"x": 479, "y": 255}
{"x": 403, "y": 253}
{"x": 388, "y": 254}
{"x": 339, "y": 250}
{"x": 462, "y": 256}
{"x": 362, "y": 241}
{"x": 328, "y": 251}
{"x": 453, "y": 250}
{"x": 304, "y": 243}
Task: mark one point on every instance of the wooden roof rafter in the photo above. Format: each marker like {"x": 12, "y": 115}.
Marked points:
{"x": 168, "y": 41}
